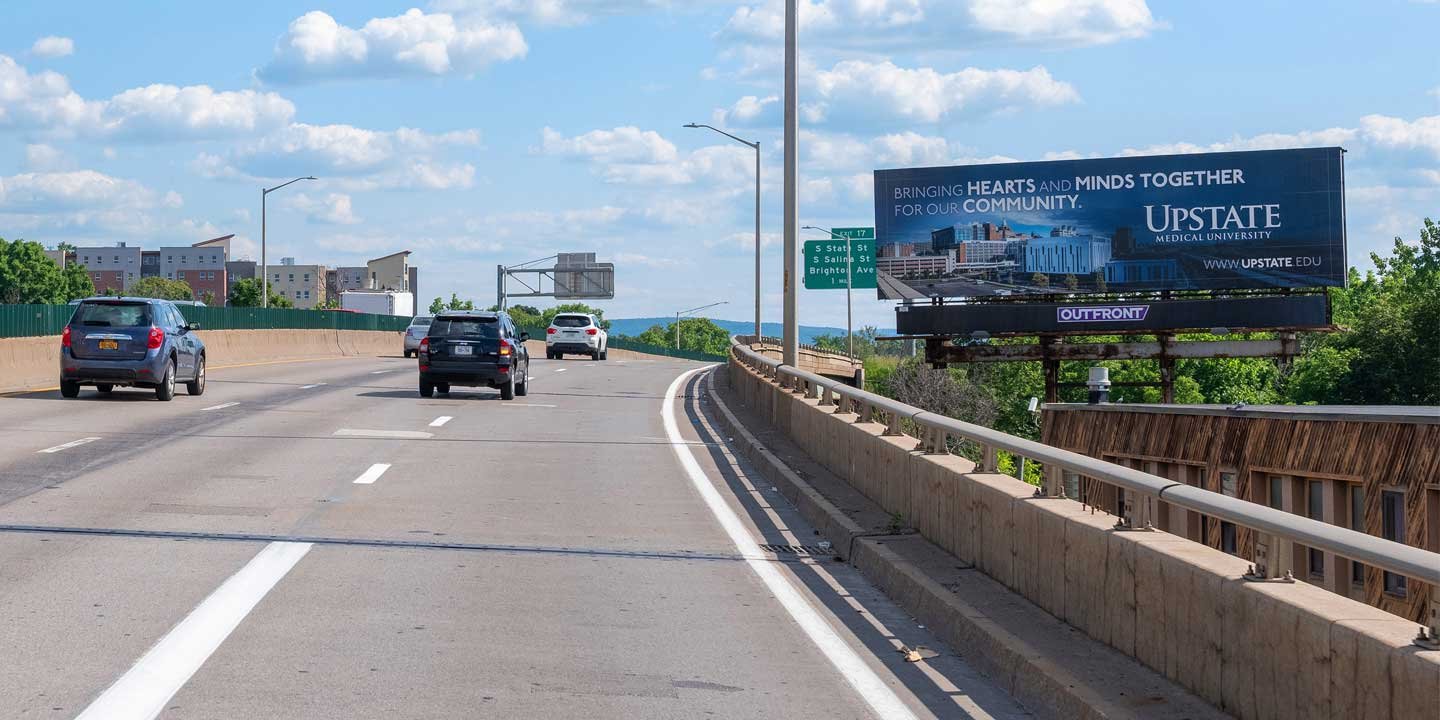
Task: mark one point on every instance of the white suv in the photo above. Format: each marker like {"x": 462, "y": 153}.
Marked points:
{"x": 576, "y": 334}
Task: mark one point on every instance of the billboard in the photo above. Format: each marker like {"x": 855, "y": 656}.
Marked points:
{"x": 1211, "y": 221}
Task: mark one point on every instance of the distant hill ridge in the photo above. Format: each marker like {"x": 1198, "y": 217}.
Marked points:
{"x": 635, "y": 326}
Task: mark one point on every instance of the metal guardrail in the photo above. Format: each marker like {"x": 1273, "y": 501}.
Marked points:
{"x": 1272, "y": 525}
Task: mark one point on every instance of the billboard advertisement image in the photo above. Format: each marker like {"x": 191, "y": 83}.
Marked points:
{"x": 1212, "y": 221}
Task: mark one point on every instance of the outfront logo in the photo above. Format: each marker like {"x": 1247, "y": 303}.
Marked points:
{"x": 1102, "y": 313}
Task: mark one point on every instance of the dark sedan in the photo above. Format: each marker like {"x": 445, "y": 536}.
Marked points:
{"x": 130, "y": 342}
{"x": 478, "y": 349}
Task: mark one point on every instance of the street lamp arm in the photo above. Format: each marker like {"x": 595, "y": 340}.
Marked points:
{"x": 831, "y": 232}
{"x": 267, "y": 191}
{"x": 755, "y": 145}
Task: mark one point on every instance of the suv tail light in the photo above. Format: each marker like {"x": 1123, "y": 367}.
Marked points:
{"x": 156, "y": 339}
{"x": 550, "y": 331}
{"x": 65, "y": 337}
{"x": 425, "y": 345}
{"x": 505, "y": 349}
{"x": 592, "y": 331}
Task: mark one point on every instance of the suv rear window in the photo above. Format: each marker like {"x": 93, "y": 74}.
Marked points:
{"x": 571, "y": 321}
{"x": 112, "y": 315}
{"x": 481, "y": 327}
{"x": 421, "y": 321}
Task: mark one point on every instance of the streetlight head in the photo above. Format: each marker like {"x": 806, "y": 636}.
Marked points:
{"x": 691, "y": 125}
{"x": 309, "y": 177}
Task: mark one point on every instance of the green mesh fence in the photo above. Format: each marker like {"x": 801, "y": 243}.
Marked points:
{"x": 35, "y": 320}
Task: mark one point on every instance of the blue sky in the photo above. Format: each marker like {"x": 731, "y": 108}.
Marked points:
{"x": 477, "y": 132}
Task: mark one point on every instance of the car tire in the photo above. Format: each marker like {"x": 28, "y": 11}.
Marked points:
{"x": 165, "y": 391}
{"x": 104, "y": 388}
{"x": 523, "y": 389}
{"x": 427, "y": 388}
{"x": 605, "y": 354}
{"x": 595, "y": 355}
{"x": 197, "y": 386}
{"x": 444, "y": 388}
{"x": 507, "y": 391}
{"x": 407, "y": 353}
{"x": 69, "y": 388}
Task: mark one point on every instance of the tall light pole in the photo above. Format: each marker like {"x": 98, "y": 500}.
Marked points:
{"x": 849, "y": 279}
{"x": 264, "y": 264}
{"x": 687, "y": 312}
{"x": 756, "y": 147}
{"x": 791, "y": 341}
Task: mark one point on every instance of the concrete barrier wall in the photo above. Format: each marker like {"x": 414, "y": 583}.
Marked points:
{"x": 34, "y": 362}
{"x": 1255, "y": 650}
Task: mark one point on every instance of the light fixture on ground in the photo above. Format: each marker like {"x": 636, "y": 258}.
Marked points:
{"x": 756, "y": 147}
{"x": 687, "y": 312}
{"x": 264, "y": 263}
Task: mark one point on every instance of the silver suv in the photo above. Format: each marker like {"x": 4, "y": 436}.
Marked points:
{"x": 576, "y": 334}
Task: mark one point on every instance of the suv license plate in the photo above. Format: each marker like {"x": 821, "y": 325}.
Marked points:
{"x": 464, "y": 350}
{"x": 109, "y": 345}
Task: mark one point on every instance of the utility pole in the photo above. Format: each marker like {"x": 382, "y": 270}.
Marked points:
{"x": 264, "y": 264}
{"x": 791, "y": 341}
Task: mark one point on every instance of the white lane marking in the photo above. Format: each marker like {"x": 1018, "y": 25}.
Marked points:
{"x": 560, "y": 370}
{"x": 142, "y": 692}
{"x": 379, "y": 372}
{"x": 308, "y": 387}
{"x": 67, "y": 446}
{"x": 876, "y": 693}
{"x": 515, "y": 404}
{"x": 370, "y": 476}
{"x": 221, "y": 406}
{"x": 440, "y": 421}
{"x": 402, "y": 434}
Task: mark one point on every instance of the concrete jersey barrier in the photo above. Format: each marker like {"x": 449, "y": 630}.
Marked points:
{"x": 1253, "y": 649}
{"x": 27, "y": 363}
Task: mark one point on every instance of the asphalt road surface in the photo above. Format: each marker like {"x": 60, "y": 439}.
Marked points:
{"x": 314, "y": 540}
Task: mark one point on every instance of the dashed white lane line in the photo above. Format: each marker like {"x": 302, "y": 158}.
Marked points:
{"x": 67, "y": 446}
{"x": 370, "y": 476}
{"x": 876, "y": 693}
{"x": 221, "y": 406}
{"x": 310, "y": 387}
{"x": 142, "y": 692}
{"x": 440, "y": 421}
{"x": 379, "y": 372}
{"x": 399, "y": 434}
{"x": 560, "y": 370}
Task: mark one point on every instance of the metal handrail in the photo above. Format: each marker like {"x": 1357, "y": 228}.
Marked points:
{"x": 1384, "y": 554}
{"x": 779, "y": 342}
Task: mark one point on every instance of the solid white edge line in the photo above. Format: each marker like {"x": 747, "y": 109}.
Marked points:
{"x": 68, "y": 445}
{"x": 440, "y": 421}
{"x": 370, "y": 476}
{"x": 881, "y": 699}
{"x": 307, "y": 387}
{"x": 143, "y": 691}
{"x": 221, "y": 406}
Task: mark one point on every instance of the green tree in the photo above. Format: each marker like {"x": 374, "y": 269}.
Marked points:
{"x": 437, "y": 306}
{"x": 246, "y": 293}
{"x": 28, "y": 275}
{"x": 1072, "y": 282}
{"x": 208, "y": 298}
{"x": 163, "y": 288}
{"x": 1390, "y": 352}
{"x": 1100, "y": 282}
{"x": 77, "y": 282}
{"x": 1040, "y": 280}
{"x": 696, "y": 335}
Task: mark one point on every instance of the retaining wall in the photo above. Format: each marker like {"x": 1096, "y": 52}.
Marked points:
{"x": 1255, "y": 650}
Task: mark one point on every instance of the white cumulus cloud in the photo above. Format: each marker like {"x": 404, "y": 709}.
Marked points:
{"x": 316, "y": 47}
{"x": 53, "y": 46}
{"x": 622, "y": 144}
{"x": 332, "y": 209}
{"x": 43, "y": 192}
{"x": 1069, "y": 22}
{"x": 44, "y": 103}
{"x": 927, "y": 95}
{"x": 351, "y": 157}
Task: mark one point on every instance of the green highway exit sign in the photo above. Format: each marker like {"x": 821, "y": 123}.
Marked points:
{"x": 825, "y": 262}
{"x": 866, "y": 233}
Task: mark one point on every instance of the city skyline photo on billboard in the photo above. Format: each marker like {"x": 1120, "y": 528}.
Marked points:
{"x": 1205, "y": 221}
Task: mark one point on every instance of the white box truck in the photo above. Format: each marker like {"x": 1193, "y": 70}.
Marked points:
{"x": 381, "y": 302}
